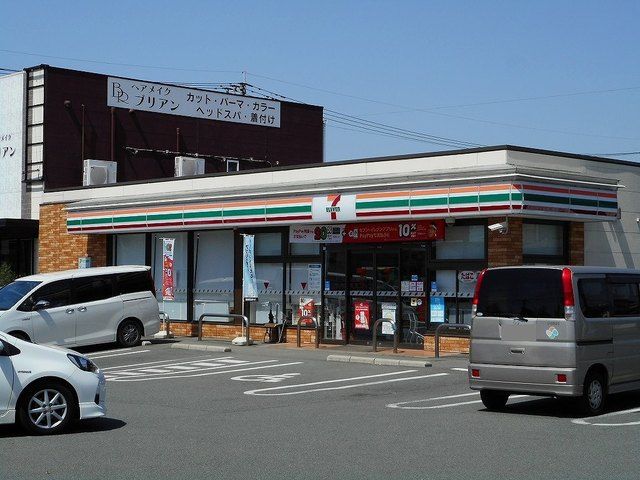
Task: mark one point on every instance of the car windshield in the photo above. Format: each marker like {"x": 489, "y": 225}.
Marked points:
{"x": 12, "y": 293}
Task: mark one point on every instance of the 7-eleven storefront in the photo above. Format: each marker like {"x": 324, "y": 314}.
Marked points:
{"x": 361, "y": 249}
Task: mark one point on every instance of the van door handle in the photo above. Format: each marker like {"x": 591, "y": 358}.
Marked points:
{"x": 69, "y": 310}
{"x": 518, "y": 350}
{"x": 82, "y": 309}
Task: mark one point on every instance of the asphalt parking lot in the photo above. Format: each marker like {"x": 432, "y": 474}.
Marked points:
{"x": 270, "y": 412}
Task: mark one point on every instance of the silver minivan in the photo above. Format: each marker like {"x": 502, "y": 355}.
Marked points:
{"x": 556, "y": 331}
{"x": 81, "y": 307}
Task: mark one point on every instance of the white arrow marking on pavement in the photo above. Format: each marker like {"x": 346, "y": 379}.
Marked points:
{"x": 446, "y": 405}
{"x": 217, "y": 372}
{"x": 342, "y": 387}
{"x": 585, "y": 421}
{"x": 265, "y": 378}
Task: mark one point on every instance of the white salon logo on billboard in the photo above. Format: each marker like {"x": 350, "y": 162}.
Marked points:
{"x": 336, "y": 208}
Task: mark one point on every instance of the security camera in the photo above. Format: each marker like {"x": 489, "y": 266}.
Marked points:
{"x": 500, "y": 227}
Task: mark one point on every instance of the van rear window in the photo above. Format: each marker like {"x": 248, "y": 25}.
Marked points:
{"x": 522, "y": 292}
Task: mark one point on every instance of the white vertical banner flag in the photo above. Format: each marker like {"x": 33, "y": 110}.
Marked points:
{"x": 249, "y": 281}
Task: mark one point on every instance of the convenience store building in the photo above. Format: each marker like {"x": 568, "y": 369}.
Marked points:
{"x": 349, "y": 242}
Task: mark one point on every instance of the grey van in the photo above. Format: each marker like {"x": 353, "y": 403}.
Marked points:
{"x": 555, "y": 331}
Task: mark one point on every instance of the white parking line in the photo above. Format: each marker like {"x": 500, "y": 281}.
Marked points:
{"x": 460, "y": 369}
{"x": 117, "y": 350}
{"x": 342, "y": 387}
{"x": 588, "y": 420}
{"x": 203, "y": 374}
{"x": 202, "y": 358}
{"x": 446, "y": 405}
{"x": 119, "y": 354}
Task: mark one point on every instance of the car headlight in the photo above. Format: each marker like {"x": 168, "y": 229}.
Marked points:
{"x": 83, "y": 363}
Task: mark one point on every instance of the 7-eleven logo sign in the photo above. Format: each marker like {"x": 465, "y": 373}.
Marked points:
{"x": 336, "y": 208}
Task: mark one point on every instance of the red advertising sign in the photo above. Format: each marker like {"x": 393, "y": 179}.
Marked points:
{"x": 167, "y": 269}
{"x": 420, "y": 230}
{"x": 408, "y": 231}
{"x": 306, "y": 310}
{"x": 361, "y": 315}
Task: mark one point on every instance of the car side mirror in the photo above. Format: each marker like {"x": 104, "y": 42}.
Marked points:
{"x": 41, "y": 305}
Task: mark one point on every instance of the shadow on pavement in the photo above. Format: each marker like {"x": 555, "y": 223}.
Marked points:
{"x": 114, "y": 346}
{"x": 567, "y": 407}
{"x": 85, "y": 426}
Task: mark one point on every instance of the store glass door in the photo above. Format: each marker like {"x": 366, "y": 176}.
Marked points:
{"x": 374, "y": 292}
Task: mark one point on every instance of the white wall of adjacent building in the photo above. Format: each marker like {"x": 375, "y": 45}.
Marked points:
{"x": 12, "y": 141}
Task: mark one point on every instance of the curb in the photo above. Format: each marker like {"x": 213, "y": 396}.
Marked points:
{"x": 389, "y": 362}
{"x": 195, "y": 346}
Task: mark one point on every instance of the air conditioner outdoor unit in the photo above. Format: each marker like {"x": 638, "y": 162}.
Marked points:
{"x": 233, "y": 165}
{"x": 189, "y": 166}
{"x": 99, "y": 172}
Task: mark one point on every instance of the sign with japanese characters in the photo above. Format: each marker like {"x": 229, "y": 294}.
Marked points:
{"x": 161, "y": 98}
{"x": 249, "y": 279}
{"x": 168, "y": 271}
{"x": 418, "y": 230}
{"x": 361, "y": 315}
{"x": 12, "y": 127}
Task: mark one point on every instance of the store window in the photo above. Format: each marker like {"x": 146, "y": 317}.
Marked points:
{"x": 451, "y": 295}
{"x": 543, "y": 241}
{"x": 213, "y": 272}
{"x": 268, "y": 244}
{"x": 302, "y": 294}
{"x": 176, "y": 308}
{"x": 462, "y": 242}
{"x": 269, "y": 306}
{"x": 334, "y": 296}
{"x": 305, "y": 249}
{"x": 130, "y": 249}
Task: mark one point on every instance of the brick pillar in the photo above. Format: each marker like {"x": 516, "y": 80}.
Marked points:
{"x": 505, "y": 249}
{"x": 576, "y": 243}
{"x": 59, "y": 250}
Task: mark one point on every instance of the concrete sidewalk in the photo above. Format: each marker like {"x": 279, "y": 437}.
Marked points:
{"x": 338, "y": 353}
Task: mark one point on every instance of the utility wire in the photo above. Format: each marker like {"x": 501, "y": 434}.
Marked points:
{"x": 84, "y": 60}
{"x": 377, "y": 127}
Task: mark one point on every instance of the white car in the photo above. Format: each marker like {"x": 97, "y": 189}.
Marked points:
{"x": 81, "y": 307}
{"x": 46, "y": 388}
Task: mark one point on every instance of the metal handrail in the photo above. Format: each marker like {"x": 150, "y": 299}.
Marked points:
{"x": 375, "y": 334}
{"x": 448, "y": 326}
{"x": 230, "y": 316}
{"x": 315, "y": 326}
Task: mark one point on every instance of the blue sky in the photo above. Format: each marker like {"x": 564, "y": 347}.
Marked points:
{"x": 562, "y": 75}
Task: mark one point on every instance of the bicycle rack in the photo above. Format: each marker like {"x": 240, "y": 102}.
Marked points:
{"x": 229, "y": 317}
{"x": 375, "y": 334}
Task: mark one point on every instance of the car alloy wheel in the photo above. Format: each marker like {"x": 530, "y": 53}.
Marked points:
{"x": 47, "y": 409}
{"x": 595, "y": 394}
{"x": 129, "y": 334}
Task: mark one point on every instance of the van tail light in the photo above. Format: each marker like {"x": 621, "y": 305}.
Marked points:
{"x": 567, "y": 289}
{"x": 475, "y": 373}
{"x": 476, "y": 294}
{"x": 561, "y": 378}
